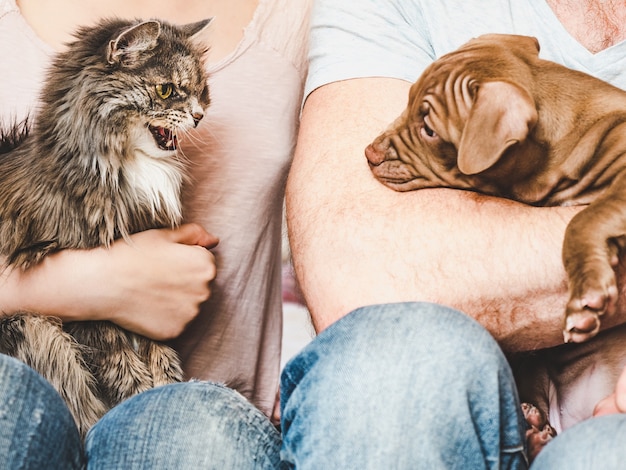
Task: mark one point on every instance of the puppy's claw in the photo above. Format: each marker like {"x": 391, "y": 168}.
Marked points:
{"x": 581, "y": 326}
{"x": 539, "y": 431}
{"x": 586, "y": 306}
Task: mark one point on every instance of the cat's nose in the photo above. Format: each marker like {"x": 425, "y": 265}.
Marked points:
{"x": 197, "y": 117}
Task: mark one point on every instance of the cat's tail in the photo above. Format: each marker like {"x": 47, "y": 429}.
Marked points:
{"x": 13, "y": 135}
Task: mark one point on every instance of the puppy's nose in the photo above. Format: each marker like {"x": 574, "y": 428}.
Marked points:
{"x": 379, "y": 151}
{"x": 197, "y": 117}
{"x": 374, "y": 158}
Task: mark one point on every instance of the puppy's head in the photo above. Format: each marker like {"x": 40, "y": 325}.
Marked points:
{"x": 466, "y": 110}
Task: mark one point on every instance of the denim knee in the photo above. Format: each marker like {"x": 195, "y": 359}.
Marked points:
{"x": 36, "y": 427}
{"x": 415, "y": 381}
{"x": 594, "y": 443}
{"x": 396, "y": 342}
{"x": 184, "y": 425}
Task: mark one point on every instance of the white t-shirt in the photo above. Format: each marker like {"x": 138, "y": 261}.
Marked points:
{"x": 400, "y": 38}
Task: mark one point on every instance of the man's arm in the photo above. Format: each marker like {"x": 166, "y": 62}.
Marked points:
{"x": 356, "y": 242}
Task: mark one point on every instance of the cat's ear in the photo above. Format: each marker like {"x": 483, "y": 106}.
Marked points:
{"x": 192, "y": 29}
{"x": 131, "y": 42}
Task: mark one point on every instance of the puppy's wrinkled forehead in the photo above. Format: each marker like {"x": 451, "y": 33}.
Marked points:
{"x": 489, "y": 57}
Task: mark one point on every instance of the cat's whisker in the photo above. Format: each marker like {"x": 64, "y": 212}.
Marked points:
{"x": 184, "y": 159}
{"x": 192, "y": 138}
{"x": 189, "y": 138}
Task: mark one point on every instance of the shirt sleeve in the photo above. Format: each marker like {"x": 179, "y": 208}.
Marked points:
{"x": 368, "y": 38}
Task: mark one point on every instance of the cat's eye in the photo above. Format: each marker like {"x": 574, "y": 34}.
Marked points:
{"x": 164, "y": 90}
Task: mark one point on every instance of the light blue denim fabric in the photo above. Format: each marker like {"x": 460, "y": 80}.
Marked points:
{"x": 193, "y": 425}
{"x": 401, "y": 386}
{"x": 597, "y": 443}
{"x": 182, "y": 426}
{"x": 398, "y": 386}
{"x": 36, "y": 428}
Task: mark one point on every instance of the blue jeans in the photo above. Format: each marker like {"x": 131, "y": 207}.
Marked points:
{"x": 36, "y": 428}
{"x": 180, "y": 426}
{"x": 401, "y": 386}
{"x": 596, "y": 443}
{"x": 393, "y": 386}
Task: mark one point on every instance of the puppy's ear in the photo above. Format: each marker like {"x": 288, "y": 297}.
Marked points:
{"x": 502, "y": 115}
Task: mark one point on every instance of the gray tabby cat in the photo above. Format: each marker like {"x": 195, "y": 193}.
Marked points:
{"x": 98, "y": 164}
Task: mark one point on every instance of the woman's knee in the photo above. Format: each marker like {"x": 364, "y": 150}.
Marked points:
{"x": 36, "y": 425}
{"x": 194, "y": 423}
{"x": 594, "y": 443}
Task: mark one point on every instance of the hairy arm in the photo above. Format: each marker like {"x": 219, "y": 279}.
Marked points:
{"x": 355, "y": 242}
{"x": 153, "y": 286}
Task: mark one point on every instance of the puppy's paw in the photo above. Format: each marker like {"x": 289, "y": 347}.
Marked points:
{"x": 537, "y": 439}
{"x": 581, "y": 326}
{"x": 587, "y": 304}
{"x": 539, "y": 431}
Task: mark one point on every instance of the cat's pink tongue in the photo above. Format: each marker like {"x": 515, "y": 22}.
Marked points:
{"x": 164, "y": 138}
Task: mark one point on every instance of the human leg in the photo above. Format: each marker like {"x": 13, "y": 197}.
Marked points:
{"x": 411, "y": 385}
{"x": 592, "y": 444}
{"x": 36, "y": 428}
{"x": 184, "y": 425}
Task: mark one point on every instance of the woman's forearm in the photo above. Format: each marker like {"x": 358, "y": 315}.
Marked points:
{"x": 152, "y": 286}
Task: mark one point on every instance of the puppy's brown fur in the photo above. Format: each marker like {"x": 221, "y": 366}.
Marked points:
{"x": 494, "y": 117}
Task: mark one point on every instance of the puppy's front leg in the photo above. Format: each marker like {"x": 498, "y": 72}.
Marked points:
{"x": 590, "y": 253}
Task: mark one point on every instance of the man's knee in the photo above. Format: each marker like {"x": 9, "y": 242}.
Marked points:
{"x": 401, "y": 343}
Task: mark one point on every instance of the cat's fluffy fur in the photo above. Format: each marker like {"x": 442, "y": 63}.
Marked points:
{"x": 98, "y": 163}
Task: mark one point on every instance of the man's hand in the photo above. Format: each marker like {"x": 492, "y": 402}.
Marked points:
{"x": 616, "y": 402}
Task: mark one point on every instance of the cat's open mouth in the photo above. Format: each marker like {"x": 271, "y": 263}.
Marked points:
{"x": 164, "y": 138}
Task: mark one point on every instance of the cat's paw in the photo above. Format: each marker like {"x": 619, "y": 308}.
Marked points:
{"x": 539, "y": 431}
{"x": 162, "y": 362}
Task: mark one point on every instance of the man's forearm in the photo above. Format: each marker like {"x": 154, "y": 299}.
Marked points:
{"x": 356, "y": 242}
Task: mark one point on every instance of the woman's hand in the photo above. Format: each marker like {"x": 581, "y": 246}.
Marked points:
{"x": 616, "y": 402}
{"x": 153, "y": 285}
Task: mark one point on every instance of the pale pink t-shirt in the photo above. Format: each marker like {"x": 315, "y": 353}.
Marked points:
{"x": 239, "y": 166}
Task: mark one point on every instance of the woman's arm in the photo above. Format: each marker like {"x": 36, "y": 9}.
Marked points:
{"x": 153, "y": 286}
{"x": 355, "y": 242}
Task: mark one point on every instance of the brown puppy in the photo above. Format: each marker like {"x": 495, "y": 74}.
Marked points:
{"x": 474, "y": 122}
{"x": 493, "y": 117}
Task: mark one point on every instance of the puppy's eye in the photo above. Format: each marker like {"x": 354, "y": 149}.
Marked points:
{"x": 164, "y": 90}
{"x": 429, "y": 132}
